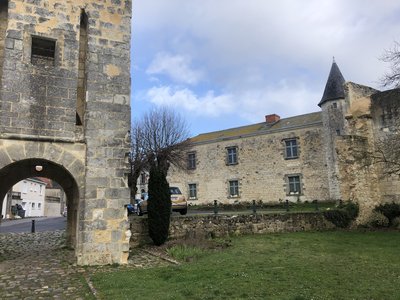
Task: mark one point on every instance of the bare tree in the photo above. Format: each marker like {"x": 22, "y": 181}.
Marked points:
{"x": 137, "y": 159}
{"x": 392, "y": 56}
{"x": 165, "y": 139}
{"x": 159, "y": 138}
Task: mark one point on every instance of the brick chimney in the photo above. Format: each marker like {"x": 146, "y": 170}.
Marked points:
{"x": 270, "y": 119}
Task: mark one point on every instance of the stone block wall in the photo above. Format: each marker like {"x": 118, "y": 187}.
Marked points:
{"x": 385, "y": 110}
{"x": 39, "y": 103}
{"x": 3, "y": 28}
{"x": 360, "y": 182}
{"x": 190, "y": 227}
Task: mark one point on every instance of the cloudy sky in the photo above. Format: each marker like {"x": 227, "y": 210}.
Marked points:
{"x": 228, "y": 63}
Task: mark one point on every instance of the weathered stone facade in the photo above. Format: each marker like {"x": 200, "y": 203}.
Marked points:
{"x": 333, "y": 161}
{"x": 65, "y": 112}
{"x": 262, "y": 167}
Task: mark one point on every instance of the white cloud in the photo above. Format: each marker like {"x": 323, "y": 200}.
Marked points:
{"x": 258, "y": 57}
{"x": 177, "y": 67}
{"x": 236, "y": 34}
{"x": 185, "y": 99}
{"x": 250, "y": 105}
{"x": 284, "y": 99}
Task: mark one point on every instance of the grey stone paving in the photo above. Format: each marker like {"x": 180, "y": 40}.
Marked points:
{"x": 38, "y": 266}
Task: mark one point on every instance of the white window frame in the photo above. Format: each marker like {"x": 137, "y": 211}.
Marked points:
{"x": 191, "y": 160}
{"x": 233, "y": 188}
{"x": 232, "y": 155}
{"x": 191, "y": 189}
{"x": 291, "y": 148}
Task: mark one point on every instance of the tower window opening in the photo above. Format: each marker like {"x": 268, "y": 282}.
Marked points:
{"x": 43, "y": 49}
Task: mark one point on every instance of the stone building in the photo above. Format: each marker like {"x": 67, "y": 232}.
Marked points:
{"x": 65, "y": 113}
{"x": 324, "y": 155}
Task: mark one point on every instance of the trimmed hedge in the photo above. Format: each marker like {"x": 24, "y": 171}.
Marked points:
{"x": 389, "y": 210}
{"x": 343, "y": 215}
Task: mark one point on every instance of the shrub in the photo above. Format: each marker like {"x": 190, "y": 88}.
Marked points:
{"x": 352, "y": 209}
{"x": 396, "y": 222}
{"x": 389, "y": 210}
{"x": 343, "y": 215}
{"x": 377, "y": 220}
{"x": 159, "y": 206}
{"x": 340, "y": 218}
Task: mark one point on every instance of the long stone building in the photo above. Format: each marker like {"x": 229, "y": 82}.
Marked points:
{"x": 65, "y": 113}
{"x": 321, "y": 156}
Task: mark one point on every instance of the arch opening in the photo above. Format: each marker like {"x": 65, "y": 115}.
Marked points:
{"x": 31, "y": 168}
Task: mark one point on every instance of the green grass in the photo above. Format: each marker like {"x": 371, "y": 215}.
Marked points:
{"x": 317, "y": 265}
{"x": 185, "y": 252}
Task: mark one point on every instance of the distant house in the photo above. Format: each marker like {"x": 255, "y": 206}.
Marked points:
{"x": 29, "y": 194}
{"x": 54, "y": 198}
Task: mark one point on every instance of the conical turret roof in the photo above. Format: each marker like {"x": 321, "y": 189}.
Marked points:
{"x": 334, "y": 88}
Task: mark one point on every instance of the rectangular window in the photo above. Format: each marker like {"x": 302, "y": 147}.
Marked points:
{"x": 233, "y": 188}
{"x": 33, "y": 205}
{"x": 24, "y": 187}
{"x": 294, "y": 184}
{"x": 191, "y": 161}
{"x": 231, "y": 155}
{"x": 192, "y": 191}
{"x": 291, "y": 148}
{"x": 43, "y": 50}
{"x": 143, "y": 178}
{"x": 39, "y": 205}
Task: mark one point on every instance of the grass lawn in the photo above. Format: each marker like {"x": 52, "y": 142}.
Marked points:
{"x": 313, "y": 265}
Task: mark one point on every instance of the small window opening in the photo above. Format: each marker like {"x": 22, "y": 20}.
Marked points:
{"x": 337, "y": 131}
{"x": 43, "y": 49}
{"x": 334, "y": 105}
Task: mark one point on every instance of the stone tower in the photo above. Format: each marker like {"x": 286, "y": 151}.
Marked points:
{"x": 333, "y": 108}
{"x": 65, "y": 113}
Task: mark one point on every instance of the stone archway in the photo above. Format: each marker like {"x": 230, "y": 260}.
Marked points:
{"x": 34, "y": 167}
{"x": 62, "y": 162}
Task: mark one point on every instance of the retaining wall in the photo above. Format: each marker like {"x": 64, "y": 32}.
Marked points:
{"x": 200, "y": 226}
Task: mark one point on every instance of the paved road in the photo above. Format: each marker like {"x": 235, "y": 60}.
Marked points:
{"x": 41, "y": 224}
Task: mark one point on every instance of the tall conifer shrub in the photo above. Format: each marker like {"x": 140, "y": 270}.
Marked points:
{"x": 159, "y": 206}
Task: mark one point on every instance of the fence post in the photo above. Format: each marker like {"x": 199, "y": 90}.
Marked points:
{"x": 33, "y": 229}
{"x": 316, "y": 205}
{"x": 254, "y": 207}
{"x": 287, "y": 205}
{"x": 215, "y": 207}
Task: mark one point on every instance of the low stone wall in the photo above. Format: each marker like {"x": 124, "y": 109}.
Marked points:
{"x": 201, "y": 226}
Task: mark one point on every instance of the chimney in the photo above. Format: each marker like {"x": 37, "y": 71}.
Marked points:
{"x": 270, "y": 119}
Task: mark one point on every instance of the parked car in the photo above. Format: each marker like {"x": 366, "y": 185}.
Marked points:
{"x": 178, "y": 202}
{"x": 141, "y": 205}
